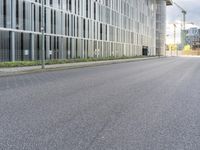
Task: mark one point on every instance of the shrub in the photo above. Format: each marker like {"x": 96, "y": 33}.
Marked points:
{"x": 63, "y": 61}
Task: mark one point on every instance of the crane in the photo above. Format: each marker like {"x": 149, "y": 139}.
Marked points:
{"x": 184, "y": 12}
{"x": 183, "y": 33}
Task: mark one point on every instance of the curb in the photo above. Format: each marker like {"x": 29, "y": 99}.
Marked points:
{"x": 74, "y": 66}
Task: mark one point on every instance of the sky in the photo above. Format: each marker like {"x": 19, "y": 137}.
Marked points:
{"x": 174, "y": 15}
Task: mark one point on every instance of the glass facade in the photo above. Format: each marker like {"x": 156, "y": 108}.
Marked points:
{"x": 77, "y": 28}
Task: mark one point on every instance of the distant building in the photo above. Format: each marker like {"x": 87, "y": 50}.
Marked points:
{"x": 193, "y": 37}
{"x": 82, "y": 28}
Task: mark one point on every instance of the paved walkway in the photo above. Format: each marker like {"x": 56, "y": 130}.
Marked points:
{"x": 30, "y": 69}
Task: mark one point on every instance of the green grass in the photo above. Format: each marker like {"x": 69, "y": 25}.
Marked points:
{"x": 65, "y": 61}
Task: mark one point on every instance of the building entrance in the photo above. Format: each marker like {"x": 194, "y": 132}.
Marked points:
{"x": 145, "y": 51}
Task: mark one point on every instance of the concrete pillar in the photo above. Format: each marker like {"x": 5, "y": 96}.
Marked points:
{"x": 161, "y": 27}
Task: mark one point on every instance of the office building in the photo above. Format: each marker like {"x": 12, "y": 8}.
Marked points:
{"x": 81, "y": 28}
{"x": 192, "y": 37}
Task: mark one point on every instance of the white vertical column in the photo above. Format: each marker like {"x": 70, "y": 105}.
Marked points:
{"x": 47, "y": 47}
{"x": 62, "y": 31}
{"x": 1, "y": 12}
{"x": 13, "y": 4}
{"x": 32, "y": 47}
{"x": 84, "y": 8}
{"x": 92, "y": 9}
{"x": 32, "y": 35}
{"x": 73, "y": 6}
{"x": 83, "y": 48}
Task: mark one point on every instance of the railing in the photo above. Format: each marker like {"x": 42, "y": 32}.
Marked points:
{"x": 191, "y": 52}
{"x": 184, "y": 53}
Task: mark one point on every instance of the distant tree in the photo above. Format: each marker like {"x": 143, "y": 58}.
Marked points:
{"x": 187, "y": 48}
{"x": 172, "y": 47}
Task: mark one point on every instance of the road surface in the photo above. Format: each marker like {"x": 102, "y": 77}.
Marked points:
{"x": 144, "y": 105}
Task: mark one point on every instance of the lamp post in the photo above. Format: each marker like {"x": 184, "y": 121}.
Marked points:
{"x": 175, "y": 46}
{"x": 42, "y": 30}
{"x": 167, "y": 47}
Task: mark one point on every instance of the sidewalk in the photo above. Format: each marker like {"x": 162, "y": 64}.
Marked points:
{"x": 34, "y": 69}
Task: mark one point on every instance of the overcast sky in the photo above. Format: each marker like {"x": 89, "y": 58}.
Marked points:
{"x": 174, "y": 15}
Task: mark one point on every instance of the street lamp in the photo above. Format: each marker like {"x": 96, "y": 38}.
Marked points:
{"x": 42, "y": 30}
{"x": 175, "y": 39}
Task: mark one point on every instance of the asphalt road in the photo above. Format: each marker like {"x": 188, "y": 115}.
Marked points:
{"x": 146, "y": 105}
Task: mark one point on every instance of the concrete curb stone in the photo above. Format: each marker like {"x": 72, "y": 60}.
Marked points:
{"x": 4, "y": 72}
